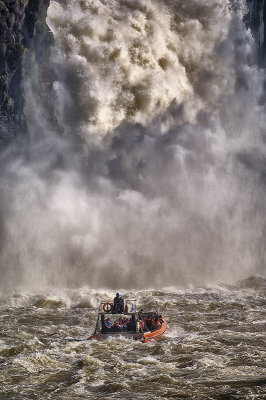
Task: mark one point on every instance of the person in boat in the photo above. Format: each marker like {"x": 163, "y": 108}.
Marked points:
{"x": 149, "y": 323}
{"x": 157, "y": 324}
{"x": 108, "y": 324}
{"x": 115, "y": 326}
{"x": 128, "y": 326}
{"x": 125, "y": 324}
{"x": 142, "y": 325}
{"x": 118, "y": 304}
{"x": 120, "y": 326}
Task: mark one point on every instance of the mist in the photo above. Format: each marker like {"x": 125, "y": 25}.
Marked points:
{"x": 154, "y": 173}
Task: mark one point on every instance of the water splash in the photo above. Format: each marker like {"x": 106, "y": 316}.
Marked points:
{"x": 154, "y": 174}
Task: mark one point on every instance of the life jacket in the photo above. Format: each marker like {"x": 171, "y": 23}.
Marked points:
{"x": 148, "y": 321}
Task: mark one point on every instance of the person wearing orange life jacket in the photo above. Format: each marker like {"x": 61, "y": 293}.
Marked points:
{"x": 108, "y": 324}
{"x": 125, "y": 324}
{"x": 149, "y": 323}
{"x": 157, "y": 323}
{"x": 160, "y": 319}
{"x": 115, "y": 326}
{"x": 128, "y": 325}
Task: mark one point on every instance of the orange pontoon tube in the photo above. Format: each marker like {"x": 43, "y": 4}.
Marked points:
{"x": 155, "y": 334}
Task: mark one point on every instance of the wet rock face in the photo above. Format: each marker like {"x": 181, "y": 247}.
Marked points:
{"x": 17, "y": 30}
{"x": 256, "y": 20}
{"x": 12, "y": 16}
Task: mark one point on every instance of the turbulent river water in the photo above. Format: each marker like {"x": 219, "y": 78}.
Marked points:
{"x": 214, "y": 347}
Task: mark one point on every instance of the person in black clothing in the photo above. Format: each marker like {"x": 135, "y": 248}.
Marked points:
{"x": 118, "y": 304}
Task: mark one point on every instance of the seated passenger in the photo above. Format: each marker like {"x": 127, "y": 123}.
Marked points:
{"x": 108, "y": 324}
{"x": 149, "y": 323}
{"x": 157, "y": 324}
{"x": 125, "y": 325}
{"x": 116, "y": 326}
{"x": 130, "y": 325}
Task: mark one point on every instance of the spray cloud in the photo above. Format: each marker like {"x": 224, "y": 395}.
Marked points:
{"x": 155, "y": 174}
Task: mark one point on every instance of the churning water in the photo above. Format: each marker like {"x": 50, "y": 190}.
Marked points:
{"x": 214, "y": 348}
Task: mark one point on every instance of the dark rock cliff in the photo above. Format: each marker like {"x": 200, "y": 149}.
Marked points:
{"x": 23, "y": 31}
{"x": 256, "y": 20}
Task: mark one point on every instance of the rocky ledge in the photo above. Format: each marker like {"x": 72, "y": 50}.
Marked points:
{"x": 256, "y": 20}
{"x": 23, "y": 31}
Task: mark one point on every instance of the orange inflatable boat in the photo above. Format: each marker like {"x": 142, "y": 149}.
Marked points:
{"x": 122, "y": 319}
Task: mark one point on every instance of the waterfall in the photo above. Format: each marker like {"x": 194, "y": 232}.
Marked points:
{"x": 150, "y": 171}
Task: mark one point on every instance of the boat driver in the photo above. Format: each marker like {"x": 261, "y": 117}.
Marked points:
{"x": 118, "y": 304}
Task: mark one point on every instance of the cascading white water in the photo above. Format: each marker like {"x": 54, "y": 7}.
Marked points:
{"x": 129, "y": 60}
{"x": 157, "y": 176}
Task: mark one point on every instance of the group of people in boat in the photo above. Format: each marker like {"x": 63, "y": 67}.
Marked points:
{"x": 140, "y": 322}
{"x": 120, "y": 325}
{"x": 123, "y": 324}
{"x": 151, "y": 322}
{"x": 122, "y": 318}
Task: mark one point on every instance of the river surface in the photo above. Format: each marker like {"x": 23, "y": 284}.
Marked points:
{"x": 214, "y": 347}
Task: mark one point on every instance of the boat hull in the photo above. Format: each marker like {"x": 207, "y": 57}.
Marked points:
{"x": 156, "y": 334}
{"x": 127, "y": 335}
